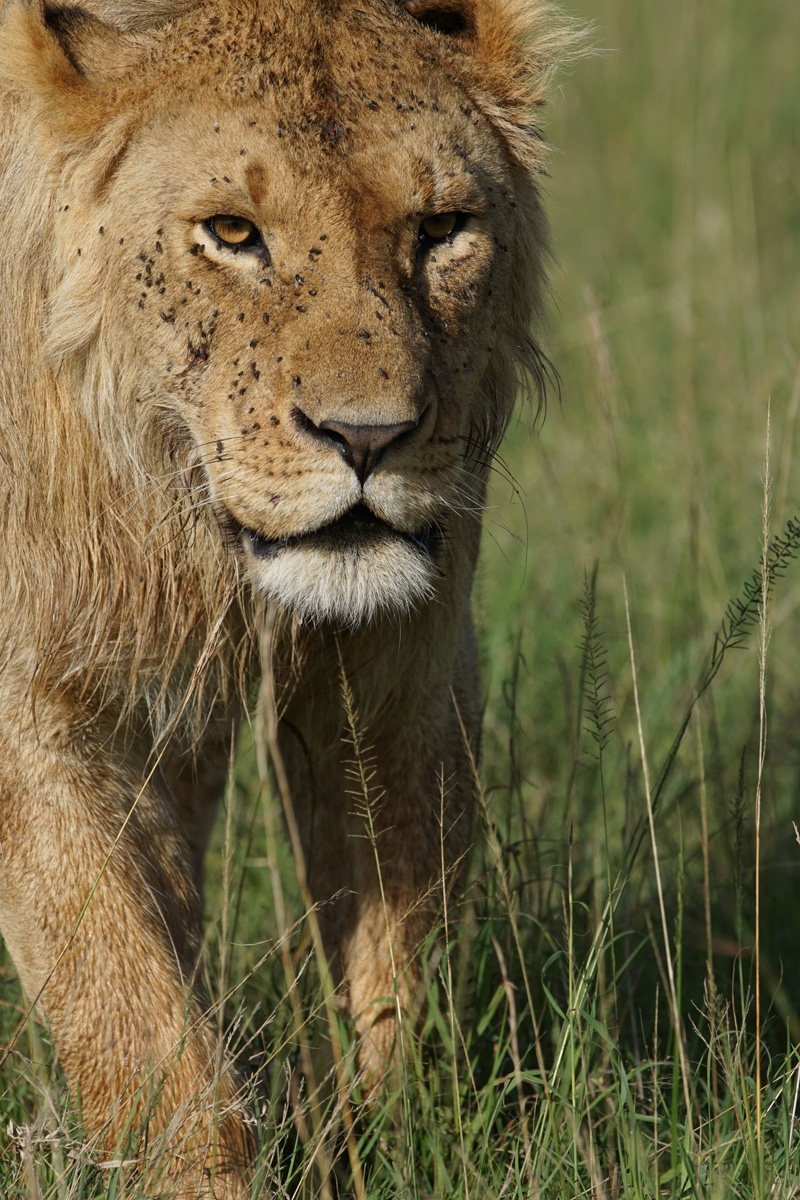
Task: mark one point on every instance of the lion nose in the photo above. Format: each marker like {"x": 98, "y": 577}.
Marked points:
{"x": 361, "y": 446}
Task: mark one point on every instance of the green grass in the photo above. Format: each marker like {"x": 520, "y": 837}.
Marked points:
{"x": 557, "y": 1059}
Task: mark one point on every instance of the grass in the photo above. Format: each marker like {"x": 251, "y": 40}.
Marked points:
{"x": 591, "y": 1026}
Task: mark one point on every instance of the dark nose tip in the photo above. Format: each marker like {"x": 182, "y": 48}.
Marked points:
{"x": 361, "y": 446}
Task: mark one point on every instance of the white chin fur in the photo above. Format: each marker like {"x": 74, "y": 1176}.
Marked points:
{"x": 346, "y": 586}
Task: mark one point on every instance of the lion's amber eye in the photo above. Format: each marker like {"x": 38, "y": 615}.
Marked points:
{"x": 236, "y": 232}
{"x": 439, "y": 227}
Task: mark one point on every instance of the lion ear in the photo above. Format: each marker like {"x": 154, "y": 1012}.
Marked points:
{"x": 54, "y": 54}
{"x": 452, "y": 17}
{"x": 97, "y": 51}
{"x": 136, "y": 16}
{"x": 511, "y": 49}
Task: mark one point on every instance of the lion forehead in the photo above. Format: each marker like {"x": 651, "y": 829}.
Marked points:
{"x": 351, "y": 87}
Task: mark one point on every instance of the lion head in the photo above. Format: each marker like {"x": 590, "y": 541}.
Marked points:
{"x": 302, "y": 260}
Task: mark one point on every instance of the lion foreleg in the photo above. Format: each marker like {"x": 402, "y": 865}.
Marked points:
{"x": 100, "y": 912}
{"x": 382, "y": 860}
{"x": 402, "y": 867}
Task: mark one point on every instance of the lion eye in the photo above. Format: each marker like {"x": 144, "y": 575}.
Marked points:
{"x": 439, "y": 227}
{"x": 236, "y": 232}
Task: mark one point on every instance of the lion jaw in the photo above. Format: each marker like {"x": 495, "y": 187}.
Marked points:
{"x": 348, "y": 572}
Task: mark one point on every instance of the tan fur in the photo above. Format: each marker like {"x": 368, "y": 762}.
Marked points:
{"x": 159, "y": 398}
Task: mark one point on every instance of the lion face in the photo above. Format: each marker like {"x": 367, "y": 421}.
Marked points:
{"x": 310, "y": 239}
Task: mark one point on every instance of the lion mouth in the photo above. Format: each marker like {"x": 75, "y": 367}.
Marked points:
{"x": 348, "y": 572}
{"x": 357, "y": 529}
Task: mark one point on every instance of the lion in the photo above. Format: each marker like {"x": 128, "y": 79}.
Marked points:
{"x": 269, "y": 274}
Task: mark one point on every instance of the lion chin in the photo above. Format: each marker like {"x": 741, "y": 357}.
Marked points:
{"x": 348, "y": 572}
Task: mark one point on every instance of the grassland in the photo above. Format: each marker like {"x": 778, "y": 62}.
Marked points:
{"x": 592, "y": 1025}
